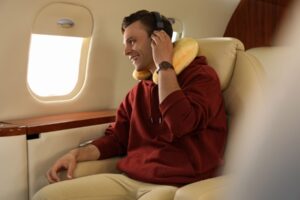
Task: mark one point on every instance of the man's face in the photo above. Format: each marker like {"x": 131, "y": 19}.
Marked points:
{"x": 137, "y": 46}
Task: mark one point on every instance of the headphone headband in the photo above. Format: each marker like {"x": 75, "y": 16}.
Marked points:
{"x": 158, "y": 21}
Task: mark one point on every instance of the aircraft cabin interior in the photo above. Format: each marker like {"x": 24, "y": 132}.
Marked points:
{"x": 63, "y": 75}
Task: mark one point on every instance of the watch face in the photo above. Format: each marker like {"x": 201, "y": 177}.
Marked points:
{"x": 165, "y": 65}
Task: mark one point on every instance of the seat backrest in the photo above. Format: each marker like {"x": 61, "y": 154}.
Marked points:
{"x": 240, "y": 73}
{"x": 269, "y": 57}
{"x": 221, "y": 54}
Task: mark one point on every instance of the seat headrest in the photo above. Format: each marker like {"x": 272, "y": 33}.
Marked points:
{"x": 221, "y": 54}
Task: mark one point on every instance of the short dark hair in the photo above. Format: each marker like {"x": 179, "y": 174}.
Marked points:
{"x": 148, "y": 19}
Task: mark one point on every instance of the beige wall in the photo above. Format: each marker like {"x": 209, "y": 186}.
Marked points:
{"x": 109, "y": 72}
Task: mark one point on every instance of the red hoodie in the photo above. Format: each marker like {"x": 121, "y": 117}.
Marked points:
{"x": 176, "y": 142}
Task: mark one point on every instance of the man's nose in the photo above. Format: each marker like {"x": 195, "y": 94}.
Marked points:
{"x": 127, "y": 50}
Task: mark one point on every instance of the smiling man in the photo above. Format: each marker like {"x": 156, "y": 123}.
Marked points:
{"x": 169, "y": 132}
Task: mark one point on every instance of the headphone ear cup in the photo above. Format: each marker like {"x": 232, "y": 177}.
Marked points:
{"x": 158, "y": 21}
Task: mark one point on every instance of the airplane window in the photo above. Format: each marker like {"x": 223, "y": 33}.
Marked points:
{"x": 58, "y": 54}
{"x": 54, "y": 63}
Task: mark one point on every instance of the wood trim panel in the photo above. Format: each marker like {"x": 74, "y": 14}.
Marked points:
{"x": 7, "y": 129}
{"x": 33, "y": 126}
{"x": 256, "y": 22}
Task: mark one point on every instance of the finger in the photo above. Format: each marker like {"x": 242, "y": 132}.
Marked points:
{"x": 154, "y": 39}
{"x": 53, "y": 174}
{"x": 164, "y": 34}
{"x": 71, "y": 169}
{"x": 160, "y": 34}
{"x": 49, "y": 178}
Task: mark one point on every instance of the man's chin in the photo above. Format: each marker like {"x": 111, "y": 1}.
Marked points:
{"x": 139, "y": 69}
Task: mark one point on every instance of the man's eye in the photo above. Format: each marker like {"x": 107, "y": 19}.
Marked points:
{"x": 131, "y": 42}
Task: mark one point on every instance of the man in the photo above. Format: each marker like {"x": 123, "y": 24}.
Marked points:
{"x": 169, "y": 134}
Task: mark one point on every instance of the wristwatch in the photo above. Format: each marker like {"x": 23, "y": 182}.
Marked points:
{"x": 164, "y": 65}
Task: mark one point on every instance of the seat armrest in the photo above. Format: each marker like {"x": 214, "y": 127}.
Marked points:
{"x": 94, "y": 167}
{"x": 209, "y": 189}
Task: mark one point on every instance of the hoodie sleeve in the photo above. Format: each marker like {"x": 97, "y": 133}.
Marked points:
{"x": 114, "y": 142}
{"x": 196, "y": 104}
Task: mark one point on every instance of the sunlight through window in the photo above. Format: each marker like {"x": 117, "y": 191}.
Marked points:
{"x": 54, "y": 63}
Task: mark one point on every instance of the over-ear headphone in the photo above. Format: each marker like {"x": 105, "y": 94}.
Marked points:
{"x": 159, "y": 24}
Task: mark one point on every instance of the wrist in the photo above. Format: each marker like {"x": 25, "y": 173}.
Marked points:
{"x": 164, "y": 65}
{"x": 86, "y": 153}
{"x": 75, "y": 153}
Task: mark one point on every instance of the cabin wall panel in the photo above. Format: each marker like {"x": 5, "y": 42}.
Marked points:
{"x": 13, "y": 168}
{"x": 45, "y": 150}
{"x": 109, "y": 71}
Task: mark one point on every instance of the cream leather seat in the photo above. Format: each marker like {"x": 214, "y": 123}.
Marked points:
{"x": 239, "y": 73}
{"x": 242, "y": 78}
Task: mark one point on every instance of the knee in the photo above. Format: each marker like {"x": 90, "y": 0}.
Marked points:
{"x": 47, "y": 193}
{"x": 157, "y": 192}
{"x": 40, "y": 195}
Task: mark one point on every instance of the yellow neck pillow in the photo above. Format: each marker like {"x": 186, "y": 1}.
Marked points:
{"x": 184, "y": 52}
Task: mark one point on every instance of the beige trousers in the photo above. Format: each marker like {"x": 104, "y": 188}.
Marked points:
{"x": 105, "y": 187}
